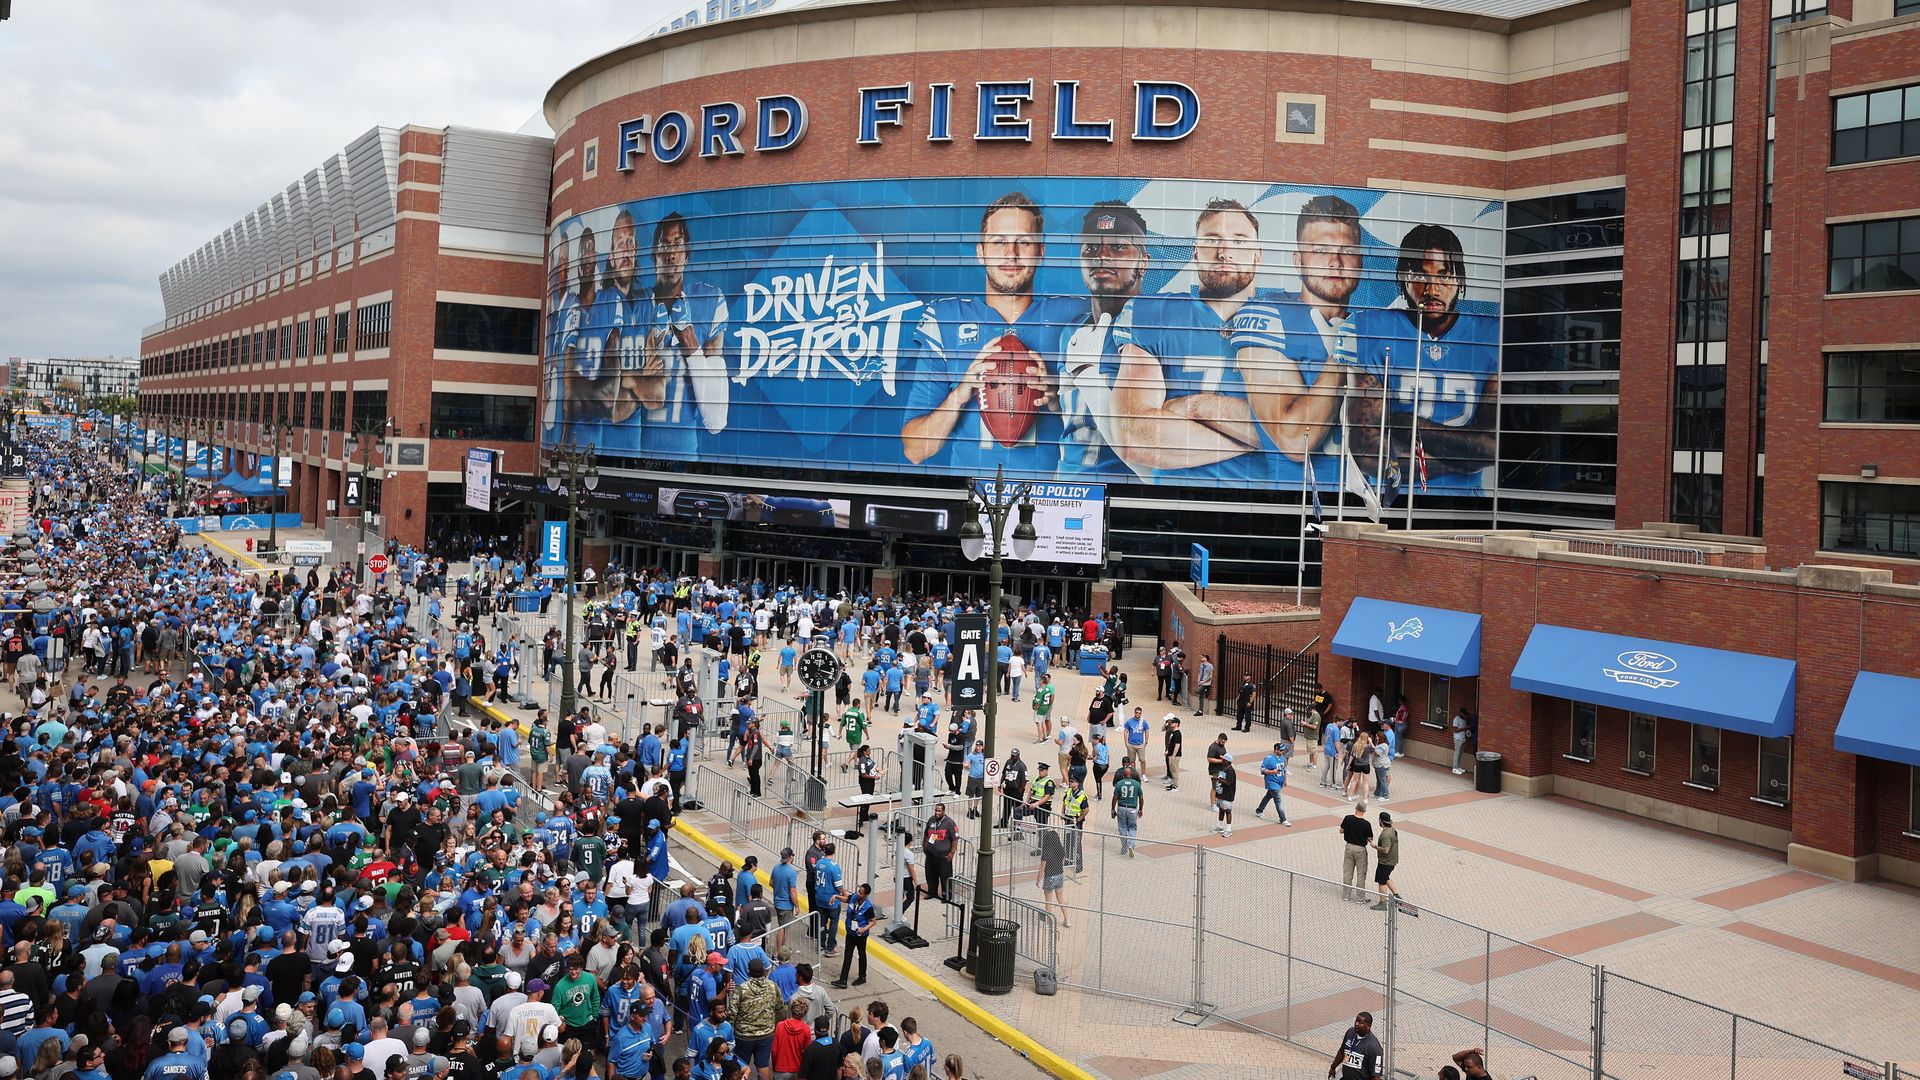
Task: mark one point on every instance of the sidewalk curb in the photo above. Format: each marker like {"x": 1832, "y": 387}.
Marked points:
{"x": 257, "y": 564}
{"x": 967, "y": 1008}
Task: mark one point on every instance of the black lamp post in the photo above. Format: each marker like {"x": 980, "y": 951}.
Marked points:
{"x": 569, "y": 467}
{"x": 995, "y": 505}
{"x": 365, "y": 433}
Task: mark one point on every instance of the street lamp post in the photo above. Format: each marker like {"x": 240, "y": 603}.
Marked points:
{"x": 995, "y": 506}
{"x": 365, "y": 433}
{"x": 273, "y": 431}
{"x": 568, "y": 467}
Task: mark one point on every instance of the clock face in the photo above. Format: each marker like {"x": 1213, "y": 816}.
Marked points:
{"x": 819, "y": 669}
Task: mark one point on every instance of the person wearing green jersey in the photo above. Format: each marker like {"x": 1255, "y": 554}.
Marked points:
{"x": 590, "y": 853}
{"x": 853, "y": 727}
{"x": 539, "y": 749}
{"x": 1129, "y": 805}
{"x": 1043, "y": 709}
{"x": 576, "y": 997}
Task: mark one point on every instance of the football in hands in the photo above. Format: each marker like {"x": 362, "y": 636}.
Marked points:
{"x": 1012, "y": 385}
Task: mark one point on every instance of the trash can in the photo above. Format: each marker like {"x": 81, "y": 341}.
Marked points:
{"x": 1486, "y": 772}
{"x": 993, "y": 967}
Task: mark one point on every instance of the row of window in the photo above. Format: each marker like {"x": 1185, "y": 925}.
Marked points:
{"x": 474, "y": 417}
{"x": 1874, "y": 519}
{"x": 1876, "y": 125}
{"x": 1873, "y": 387}
{"x": 1773, "y": 778}
{"x": 464, "y": 327}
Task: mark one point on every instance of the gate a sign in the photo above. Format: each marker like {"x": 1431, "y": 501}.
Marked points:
{"x": 350, "y": 492}
{"x": 970, "y": 633}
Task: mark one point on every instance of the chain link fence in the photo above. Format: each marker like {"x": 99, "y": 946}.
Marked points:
{"x": 1295, "y": 957}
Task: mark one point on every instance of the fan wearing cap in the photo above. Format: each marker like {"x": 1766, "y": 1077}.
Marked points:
{"x": 527, "y": 1018}
{"x": 176, "y": 1063}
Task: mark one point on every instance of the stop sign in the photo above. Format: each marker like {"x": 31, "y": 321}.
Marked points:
{"x": 377, "y": 563}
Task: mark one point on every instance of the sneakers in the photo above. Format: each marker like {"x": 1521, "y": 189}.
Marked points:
{"x": 1288, "y": 823}
{"x": 1228, "y": 831}
{"x": 1459, "y": 772}
{"x": 1219, "y": 828}
{"x": 1381, "y": 906}
{"x": 1381, "y": 798}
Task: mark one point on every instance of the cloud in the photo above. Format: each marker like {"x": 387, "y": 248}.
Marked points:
{"x": 136, "y": 132}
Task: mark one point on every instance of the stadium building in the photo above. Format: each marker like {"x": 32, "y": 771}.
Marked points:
{"x": 399, "y": 281}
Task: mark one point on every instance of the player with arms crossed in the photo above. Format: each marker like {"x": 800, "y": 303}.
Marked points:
{"x": 628, "y": 312}
{"x": 966, "y": 346}
{"x": 1113, "y": 263}
{"x": 1295, "y": 392}
{"x": 682, "y": 379}
{"x": 1434, "y": 363}
{"x": 1181, "y": 405}
{"x": 563, "y": 323}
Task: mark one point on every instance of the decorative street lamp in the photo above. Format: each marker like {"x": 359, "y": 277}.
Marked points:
{"x": 995, "y": 505}
{"x": 569, "y": 467}
{"x": 273, "y": 431}
{"x": 366, "y": 432}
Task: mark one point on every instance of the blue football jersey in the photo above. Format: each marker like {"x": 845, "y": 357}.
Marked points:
{"x": 950, "y": 333}
{"x": 1193, "y": 345}
{"x": 1084, "y": 453}
{"x": 673, "y": 430}
{"x": 1451, "y": 373}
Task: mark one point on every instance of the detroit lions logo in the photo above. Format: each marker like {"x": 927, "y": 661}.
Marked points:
{"x": 1412, "y": 628}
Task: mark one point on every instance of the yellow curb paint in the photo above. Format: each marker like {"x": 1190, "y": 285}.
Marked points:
{"x": 502, "y": 717}
{"x": 970, "y": 1011}
{"x": 208, "y": 537}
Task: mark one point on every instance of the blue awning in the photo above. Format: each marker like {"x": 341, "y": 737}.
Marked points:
{"x": 1440, "y": 640}
{"x": 1882, "y": 719}
{"x": 1731, "y": 690}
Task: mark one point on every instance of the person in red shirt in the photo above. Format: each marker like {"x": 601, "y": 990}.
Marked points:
{"x": 1090, "y": 631}
{"x": 791, "y": 1037}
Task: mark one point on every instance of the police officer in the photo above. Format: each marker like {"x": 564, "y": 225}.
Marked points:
{"x": 1040, "y": 794}
{"x": 1074, "y": 804}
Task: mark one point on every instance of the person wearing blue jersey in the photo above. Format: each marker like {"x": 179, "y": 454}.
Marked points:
{"x": 1294, "y": 390}
{"x": 682, "y": 379}
{"x": 1181, "y": 407}
{"x": 1438, "y": 368}
{"x": 1113, "y": 264}
{"x": 563, "y": 312}
{"x": 957, "y": 335}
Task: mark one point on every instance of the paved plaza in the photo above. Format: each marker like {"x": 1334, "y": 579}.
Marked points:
{"x": 1713, "y": 920}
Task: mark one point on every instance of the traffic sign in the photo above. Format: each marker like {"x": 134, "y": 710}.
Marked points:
{"x": 992, "y": 777}
{"x": 306, "y": 560}
{"x": 377, "y": 563}
{"x": 819, "y": 669}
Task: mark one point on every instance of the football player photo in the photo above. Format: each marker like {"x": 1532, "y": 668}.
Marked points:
{"x": 981, "y": 394}
{"x": 1113, "y": 264}
{"x": 1181, "y": 405}
{"x": 682, "y": 376}
{"x": 1432, "y": 369}
{"x": 1294, "y": 390}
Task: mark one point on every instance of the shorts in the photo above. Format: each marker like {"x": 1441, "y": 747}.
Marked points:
{"x": 1360, "y": 767}
{"x": 1225, "y": 806}
{"x": 1053, "y": 883}
{"x": 756, "y": 1053}
{"x": 1382, "y": 873}
{"x": 783, "y": 752}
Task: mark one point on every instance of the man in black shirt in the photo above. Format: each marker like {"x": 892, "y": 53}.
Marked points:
{"x": 1243, "y": 703}
{"x": 1173, "y": 741}
{"x": 1357, "y": 831}
{"x": 1359, "y": 1056}
{"x": 402, "y": 820}
{"x": 399, "y": 972}
{"x": 287, "y": 973}
{"x": 428, "y": 835}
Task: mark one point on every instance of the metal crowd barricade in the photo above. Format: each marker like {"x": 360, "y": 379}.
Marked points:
{"x": 1038, "y": 939}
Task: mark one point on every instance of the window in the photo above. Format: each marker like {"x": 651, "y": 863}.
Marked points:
{"x": 286, "y": 343}
{"x": 1703, "y": 769}
{"x": 1873, "y": 387}
{"x": 1877, "y": 125}
{"x": 481, "y": 417}
{"x": 1640, "y": 732}
{"x": 1706, "y": 190}
{"x": 339, "y": 333}
{"x": 1700, "y": 407}
{"x": 372, "y": 330}
{"x": 1775, "y": 782}
{"x": 337, "y": 410}
{"x": 1906, "y": 7}
{"x": 486, "y": 328}
{"x": 321, "y": 325}
{"x": 300, "y": 339}
{"x": 316, "y": 415}
{"x": 1874, "y": 256}
{"x": 298, "y": 416}
{"x": 369, "y": 405}
{"x": 1586, "y": 722}
{"x": 273, "y": 343}
{"x": 1708, "y": 94}
{"x": 1703, "y": 300}
{"x": 1697, "y": 499}
{"x": 1878, "y": 519}
{"x": 1439, "y": 701}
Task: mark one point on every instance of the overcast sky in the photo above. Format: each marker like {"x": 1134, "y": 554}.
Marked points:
{"x": 134, "y": 130}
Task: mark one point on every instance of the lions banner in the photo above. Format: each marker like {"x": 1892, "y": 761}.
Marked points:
{"x": 1168, "y": 332}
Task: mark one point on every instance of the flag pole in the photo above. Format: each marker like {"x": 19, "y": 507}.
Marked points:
{"x": 1413, "y": 444}
{"x": 1300, "y": 556}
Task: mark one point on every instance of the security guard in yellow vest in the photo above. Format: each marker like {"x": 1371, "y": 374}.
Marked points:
{"x": 1040, "y": 796}
{"x": 1074, "y": 803}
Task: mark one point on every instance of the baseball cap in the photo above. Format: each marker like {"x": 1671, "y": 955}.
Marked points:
{"x": 355, "y": 1051}
{"x": 786, "y": 853}
{"x": 421, "y": 1036}
{"x": 535, "y": 986}
{"x": 336, "y": 1017}
{"x": 344, "y": 964}
{"x": 715, "y": 958}
{"x": 251, "y": 993}
{"x": 513, "y": 980}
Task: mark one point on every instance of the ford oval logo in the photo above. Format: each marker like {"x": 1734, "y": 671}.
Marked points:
{"x": 1650, "y": 662}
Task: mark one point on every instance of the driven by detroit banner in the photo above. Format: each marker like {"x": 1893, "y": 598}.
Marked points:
{"x": 1183, "y": 332}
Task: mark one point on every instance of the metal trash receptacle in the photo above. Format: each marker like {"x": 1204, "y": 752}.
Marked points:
{"x": 993, "y": 966}
{"x": 1486, "y": 772}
